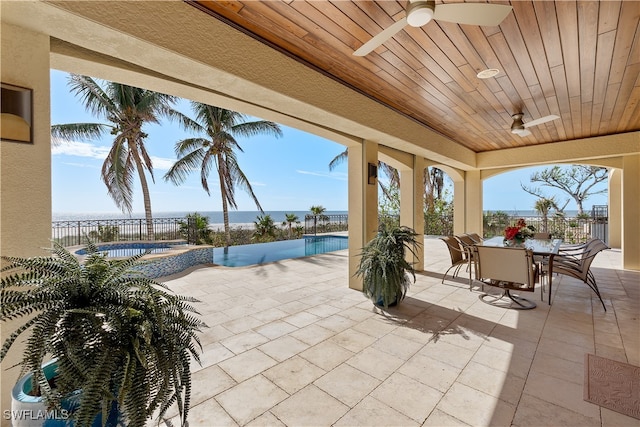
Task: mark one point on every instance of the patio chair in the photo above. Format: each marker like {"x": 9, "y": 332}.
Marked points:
{"x": 466, "y": 240}
{"x": 475, "y": 237}
{"x": 457, "y": 254}
{"x": 508, "y": 269}
{"x": 570, "y": 247}
{"x": 576, "y": 263}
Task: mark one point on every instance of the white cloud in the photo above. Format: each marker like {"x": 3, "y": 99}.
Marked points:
{"x": 340, "y": 176}
{"x": 80, "y": 149}
{"x": 81, "y": 165}
{"x": 162, "y": 163}
{"x": 258, "y": 184}
{"x": 85, "y": 149}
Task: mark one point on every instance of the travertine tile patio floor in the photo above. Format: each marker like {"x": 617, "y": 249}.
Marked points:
{"x": 289, "y": 344}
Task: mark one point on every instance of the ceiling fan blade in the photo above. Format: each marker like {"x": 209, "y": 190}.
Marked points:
{"x": 523, "y": 133}
{"x": 483, "y": 14}
{"x": 541, "y": 120}
{"x": 381, "y": 37}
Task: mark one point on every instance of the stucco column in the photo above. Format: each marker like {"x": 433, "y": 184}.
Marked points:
{"x": 473, "y": 205}
{"x": 615, "y": 208}
{"x": 459, "y": 206}
{"x": 412, "y": 205}
{"x": 25, "y": 172}
{"x": 631, "y": 212}
{"x": 363, "y": 204}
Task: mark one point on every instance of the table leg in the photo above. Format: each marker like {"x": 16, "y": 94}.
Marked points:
{"x": 550, "y": 275}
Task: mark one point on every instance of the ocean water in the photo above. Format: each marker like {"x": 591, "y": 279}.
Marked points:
{"x": 533, "y": 213}
{"x": 246, "y": 217}
{"x": 215, "y": 217}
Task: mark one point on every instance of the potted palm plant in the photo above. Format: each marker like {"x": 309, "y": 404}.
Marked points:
{"x": 385, "y": 272}
{"x": 120, "y": 341}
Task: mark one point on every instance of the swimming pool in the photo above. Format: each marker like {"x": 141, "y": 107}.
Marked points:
{"x": 260, "y": 253}
{"x": 164, "y": 259}
{"x": 128, "y": 249}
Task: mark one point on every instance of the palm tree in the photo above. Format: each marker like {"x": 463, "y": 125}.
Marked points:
{"x": 217, "y": 148}
{"x": 127, "y": 109}
{"x": 543, "y": 205}
{"x": 317, "y": 212}
{"x": 433, "y": 186}
{"x": 265, "y": 229}
{"x": 290, "y": 218}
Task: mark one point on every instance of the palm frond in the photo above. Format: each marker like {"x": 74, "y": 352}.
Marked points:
{"x": 81, "y": 131}
{"x": 249, "y": 129}
{"x": 117, "y": 174}
{"x": 91, "y": 94}
{"x": 188, "y": 162}
{"x": 241, "y": 180}
{"x": 339, "y": 159}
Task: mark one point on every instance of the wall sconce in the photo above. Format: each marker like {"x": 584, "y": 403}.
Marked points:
{"x": 16, "y": 111}
{"x": 372, "y": 173}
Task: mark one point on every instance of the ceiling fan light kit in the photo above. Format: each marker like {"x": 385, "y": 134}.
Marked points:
{"x": 419, "y": 13}
{"x": 517, "y": 126}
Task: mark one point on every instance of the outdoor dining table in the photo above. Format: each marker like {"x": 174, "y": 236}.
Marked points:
{"x": 547, "y": 248}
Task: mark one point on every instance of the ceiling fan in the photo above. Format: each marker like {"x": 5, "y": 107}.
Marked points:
{"x": 519, "y": 128}
{"x": 420, "y": 12}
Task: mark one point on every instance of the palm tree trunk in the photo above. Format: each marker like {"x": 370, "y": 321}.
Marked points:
{"x": 225, "y": 209}
{"x": 225, "y": 218}
{"x": 145, "y": 194}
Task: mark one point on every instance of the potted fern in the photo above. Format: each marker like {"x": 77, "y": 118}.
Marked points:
{"x": 120, "y": 341}
{"x": 385, "y": 272}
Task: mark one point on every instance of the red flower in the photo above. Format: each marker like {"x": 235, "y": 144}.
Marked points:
{"x": 519, "y": 231}
{"x": 511, "y": 232}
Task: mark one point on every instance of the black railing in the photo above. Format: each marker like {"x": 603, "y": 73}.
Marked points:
{"x": 314, "y": 224}
{"x": 70, "y": 233}
{"x": 570, "y": 230}
{"x": 600, "y": 216}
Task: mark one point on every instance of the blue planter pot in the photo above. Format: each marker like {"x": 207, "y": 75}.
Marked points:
{"x": 380, "y": 303}
{"x": 31, "y": 411}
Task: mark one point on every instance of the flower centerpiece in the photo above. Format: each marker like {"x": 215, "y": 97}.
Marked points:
{"x": 517, "y": 234}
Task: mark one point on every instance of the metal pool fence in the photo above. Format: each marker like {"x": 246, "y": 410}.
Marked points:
{"x": 570, "y": 230}
{"x": 70, "y": 233}
{"x": 314, "y": 224}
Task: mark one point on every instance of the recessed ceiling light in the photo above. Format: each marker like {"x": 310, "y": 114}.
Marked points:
{"x": 487, "y": 74}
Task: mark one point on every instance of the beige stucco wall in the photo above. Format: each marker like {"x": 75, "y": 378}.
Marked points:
{"x": 363, "y": 205}
{"x": 631, "y": 212}
{"x": 25, "y": 169}
{"x": 615, "y": 208}
{"x": 25, "y": 176}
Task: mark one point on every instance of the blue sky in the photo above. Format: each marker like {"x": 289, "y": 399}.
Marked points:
{"x": 290, "y": 173}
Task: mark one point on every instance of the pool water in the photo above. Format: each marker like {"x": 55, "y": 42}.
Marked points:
{"x": 260, "y": 253}
{"x": 123, "y": 250}
{"x": 129, "y": 252}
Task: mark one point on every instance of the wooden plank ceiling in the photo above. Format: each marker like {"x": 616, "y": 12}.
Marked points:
{"x": 579, "y": 60}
